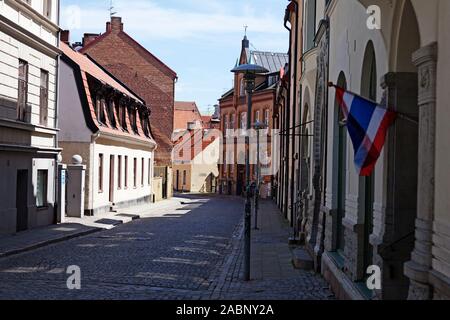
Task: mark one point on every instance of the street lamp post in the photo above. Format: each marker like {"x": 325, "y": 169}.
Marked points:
{"x": 250, "y": 71}
{"x": 258, "y": 127}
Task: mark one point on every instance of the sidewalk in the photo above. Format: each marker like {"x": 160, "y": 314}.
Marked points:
{"x": 273, "y": 276}
{"x": 76, "y": 227}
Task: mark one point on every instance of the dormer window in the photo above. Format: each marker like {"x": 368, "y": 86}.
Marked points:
{"x": 100, "y": 110}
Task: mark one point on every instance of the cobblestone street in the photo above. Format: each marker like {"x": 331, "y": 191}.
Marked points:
{"x": 190, "y": 251}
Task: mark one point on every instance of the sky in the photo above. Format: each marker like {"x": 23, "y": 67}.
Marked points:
{"x": 199, "y": 39}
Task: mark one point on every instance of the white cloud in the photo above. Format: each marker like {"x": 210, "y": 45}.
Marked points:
{"x": 157, "y": 22}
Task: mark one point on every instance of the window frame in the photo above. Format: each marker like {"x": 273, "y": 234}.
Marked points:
{"x": 22, "y": 95}
{"x": 101, "y": 162}
{"x": 119, "y": 172}
{"x": 43, "y": 98}
{"x": 44, "y": 189}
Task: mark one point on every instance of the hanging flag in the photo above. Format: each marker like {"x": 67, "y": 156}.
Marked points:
{"x": 367, "y": 124}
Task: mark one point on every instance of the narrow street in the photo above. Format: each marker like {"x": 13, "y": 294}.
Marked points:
{"x": 189, "y": 251}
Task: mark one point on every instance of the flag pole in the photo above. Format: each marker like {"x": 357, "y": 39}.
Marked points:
{"x": 399, "y": 114}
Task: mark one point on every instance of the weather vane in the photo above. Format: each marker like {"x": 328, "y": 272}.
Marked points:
{"x": 111, "y": 9}
{"x": 245, "y": 28}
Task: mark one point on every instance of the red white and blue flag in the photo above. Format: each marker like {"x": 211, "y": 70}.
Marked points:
{"x": 367, "y": 124}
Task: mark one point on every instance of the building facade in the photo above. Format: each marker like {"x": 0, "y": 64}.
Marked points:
{"x": 197, "y": 150}
{"x": 397, "y": 219}
{"x": 146, "y": 75}
{"x": 287, "y": 119}
{"x": 28, "y": 113}
{"x": 233, "y": 117}
{"x": 109, "y": 127}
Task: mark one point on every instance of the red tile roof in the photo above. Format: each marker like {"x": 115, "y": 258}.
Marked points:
{"x": 88, "y": 67}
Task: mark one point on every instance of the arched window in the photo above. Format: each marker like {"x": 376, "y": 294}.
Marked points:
{"x": 367, "y": 184}
{"x": 341, "y": 165}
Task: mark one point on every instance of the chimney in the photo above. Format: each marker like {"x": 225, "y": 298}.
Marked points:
{"x": 65, "y": 36}
{"x": 89, "y": 37}
{"x": 115, "y": 25}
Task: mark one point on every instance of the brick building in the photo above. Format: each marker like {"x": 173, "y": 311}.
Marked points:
{"x": 197, "y": 151}
{"x": 233, "y": 116}
{"x": 146, "y": 75}
{"x": 186, "y": 112}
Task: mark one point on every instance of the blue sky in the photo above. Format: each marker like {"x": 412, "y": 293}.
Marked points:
{"x": 199, "y": 39}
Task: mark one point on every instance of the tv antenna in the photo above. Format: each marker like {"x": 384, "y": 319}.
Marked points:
{"x": 111, "y": 9}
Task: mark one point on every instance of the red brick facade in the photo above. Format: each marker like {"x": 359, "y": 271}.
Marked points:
{"x": 143, "y": 73}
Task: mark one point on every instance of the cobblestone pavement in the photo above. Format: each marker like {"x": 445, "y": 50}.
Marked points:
{"x": 188, "y": 252}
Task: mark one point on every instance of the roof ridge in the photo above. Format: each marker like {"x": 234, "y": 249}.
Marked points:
{"x": 270, "y": 52}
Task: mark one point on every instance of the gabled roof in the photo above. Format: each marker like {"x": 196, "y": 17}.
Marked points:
{"x": 136, "y": 44}
{"x": 90, "y": 67}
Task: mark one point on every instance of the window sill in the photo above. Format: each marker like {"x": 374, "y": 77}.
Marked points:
{"x": 43, "y": 208}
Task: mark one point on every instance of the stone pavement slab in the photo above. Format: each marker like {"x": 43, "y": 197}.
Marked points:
{"x": 78, "y": 227}
{"x": 40, "y": 237}
{"x": 273, "y": 276}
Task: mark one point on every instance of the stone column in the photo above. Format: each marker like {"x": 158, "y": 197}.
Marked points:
{"x": 394, "y": 240}
{"x": 417, "y": 270}
{"x": 62, "y": 179}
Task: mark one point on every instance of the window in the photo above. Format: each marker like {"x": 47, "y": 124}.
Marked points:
{"x": 22, "y": 99}
{"x": 119, "y": 172}
{"x": 142, "y": 171}
{"x": 266, "y": 117}
{"x": 126, "y": 172}
{"x": 42, "y": 185}
{"x": 43, "y": 115}
{"x": 100, "y": 173}
{"x": 132, "y": 115}
{"x": 47, "y": 8}
{"x": 112, "y": 118}
{"x": 242, "y": 88}
{"x": 232, "y": 121}
{"x": 100, "y": 110}
{"x": 257, "y": 116}
{"x": 225, "y": 125}
{"x": 243, "y": 124}
{"x": 135, "y": 173}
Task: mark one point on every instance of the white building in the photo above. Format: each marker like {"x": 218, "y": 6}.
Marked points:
{"x": 398, "y": 219}
{"x": 105, "y": 123}
{"x": 28, "y": 114}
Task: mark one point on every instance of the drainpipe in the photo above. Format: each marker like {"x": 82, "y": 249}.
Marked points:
{"x": 286, "y": 125}
{"x": 294, "y": 115}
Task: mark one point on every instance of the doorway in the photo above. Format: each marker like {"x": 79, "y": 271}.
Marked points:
{"x": 22, "y": 200}
{"x": 240, "y": 183}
